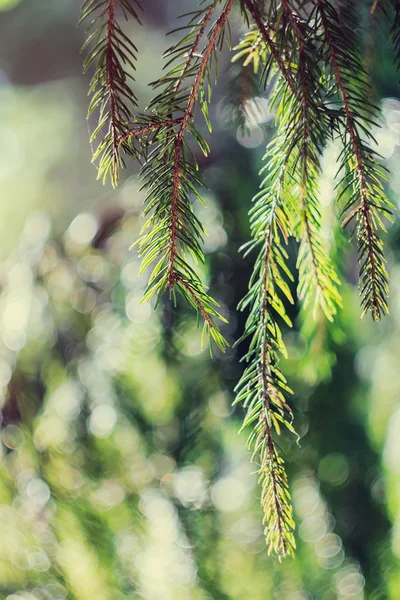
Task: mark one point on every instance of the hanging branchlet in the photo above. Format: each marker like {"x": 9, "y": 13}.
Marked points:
{"x": 288, "y": 190}
{"x": 307, "y": 53}
{"x": 113, "y": 53}
{"x": 172, "y": 234}
{"x": 263, "y": 389}
{"x": 308, "y": 127}
{"x": 362, "y": 175}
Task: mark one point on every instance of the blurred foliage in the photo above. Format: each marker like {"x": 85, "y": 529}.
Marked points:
{"x": 121, "y": 474}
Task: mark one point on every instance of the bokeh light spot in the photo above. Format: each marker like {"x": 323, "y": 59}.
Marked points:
{"x": 102, "y": 421}
{"x": 83, "y": 229}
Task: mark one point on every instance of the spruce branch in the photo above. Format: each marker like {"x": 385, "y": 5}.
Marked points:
{"x": 309, "y": 126}
{"x": 307, "y": 53}
{"x": 112, "y": 53}
{"x": 367, "y": 204}
{"x": 172, "y": 233}
{"x": 290, "y": 187}
{"x": 263, "y": 389}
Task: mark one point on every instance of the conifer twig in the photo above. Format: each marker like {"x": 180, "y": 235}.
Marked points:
{"x": 262, "y": 388}
{"x": 316, "y": 273}
{"x": 170, "y": 178}
{"x": 364, "y": 176}
{"x": 112, "y": 52}
{"x": 187, "y": 115}
{"x": 149, "y": 127}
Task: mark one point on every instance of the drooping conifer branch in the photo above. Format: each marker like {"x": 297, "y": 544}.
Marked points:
{"x": 363, "y": 175}
{"x": 290, "y": 187}
{"x": 175, "y": 234}
{"x": 188, "y": 116}
{"x": 112, "y": 52}
{"x": 262, "y": 388}
{"x": 308, "y": 54}
{"x": 310, "y": 127}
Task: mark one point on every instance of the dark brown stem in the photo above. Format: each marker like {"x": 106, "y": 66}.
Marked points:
{"x": 149, "y": 127}
{"x": 293, "y": 22}
{"x": 195, "y": 46}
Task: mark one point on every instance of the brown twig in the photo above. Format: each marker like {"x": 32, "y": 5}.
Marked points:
{"x": 294, "y": 23}
{"x": 153, "y": 126}
{"x": 195, "y": 46}
{"x": 149, "y": 127}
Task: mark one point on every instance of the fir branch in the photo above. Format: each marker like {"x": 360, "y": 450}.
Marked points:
{"x": 170, "y": 176}
{"x": 195, "y": 46}
{"x": 262, "y": 388}
{"x": 291, "y": 184}
{"x": 363, "y": 174}
{"x": 112, "y": 52}
{"x": 308, "y": 52}
{"x": 309, "y": 128}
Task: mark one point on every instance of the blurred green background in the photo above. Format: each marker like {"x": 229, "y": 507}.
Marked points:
{"x": 122, "y": 475}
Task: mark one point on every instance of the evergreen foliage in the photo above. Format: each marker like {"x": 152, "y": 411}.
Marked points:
{"x": 307, "y": 56}
{"x": 112, "y": 52}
